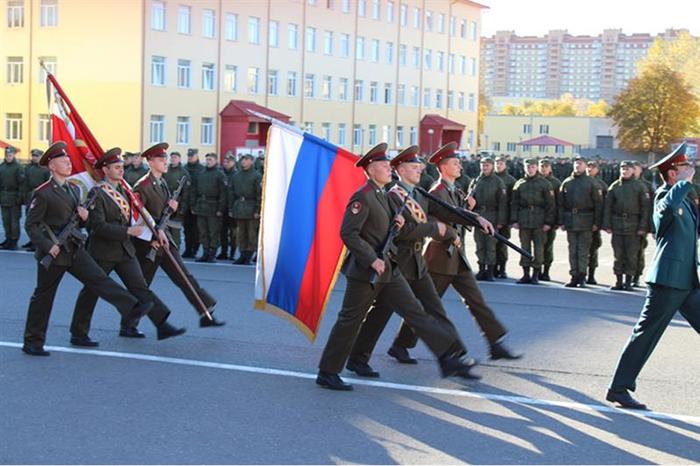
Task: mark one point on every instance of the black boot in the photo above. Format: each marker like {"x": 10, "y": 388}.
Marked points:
{"x": 204, "y": 257}
{"x": 591, "y": 276}
{"x": 480, "y": 274}
{"x": 635, "y": 282}
{"x": 457, "y": 365}
{"x": 222, "y": 255}
{"x": 573, "y": 282}
{"x": 401, "y": 354}
{"x": 628, "y": 283}
{"x": 188, "y": 254}
{"x": 28, "y": 245}
{"x": 535, "y": 276}
{"x": 526, "y": 276}
{"x": 624, "y": 399}
{"x": 11, "y": 245}
{"x": 2, "y": 245}
{"x": 582, "y": 280}
{"x": 501, "y": 271}
{"x": 544, "y": 276}
{"x": 332, "y": 381}
{"x": 488, "y": 273}
{"x": 211, "y": 257}
{"x": 618, "y": 286}
{"x": 165, "y": 330}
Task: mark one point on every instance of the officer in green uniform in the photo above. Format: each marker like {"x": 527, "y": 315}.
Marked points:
{"x": 209, "y": 191}
{"x": 228, "y": 225}
{"x": 193, "y": 167}
{"x": 136, "y": 170}
{"x": 11, "y": 197}
{"x": 672, "y": 278}
{"x": 427, "y": 180}
{"x": 580, "y": 214}
{"x": 545, "y": 169}
{"x": 593, "y": 171}
{"x": 34, "y": 175}
{"x": 501, "y": 248}
{"x": 172, "y": 179}
{"x": 625, "y": 217}
{"x": 244, "y": 207}
{"x": 532, "y": 212}
{"x": 487, "y": 197}
{"x": 260, "y": 162}
{"x": 638, "y": 169}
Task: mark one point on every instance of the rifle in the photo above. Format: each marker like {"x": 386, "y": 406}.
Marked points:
{"x": 165, "y": 216}
{"x": 471, "y": 219}
{"x": 388, "y": 241}
{"x": 70, "y": 229}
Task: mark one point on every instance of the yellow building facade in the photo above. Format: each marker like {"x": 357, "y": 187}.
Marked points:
{"x": 142, "y": 71}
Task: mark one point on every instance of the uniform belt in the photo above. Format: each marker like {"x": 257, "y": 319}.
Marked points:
{"x": 417, "y": 246}
{"x": 581, "y": 211}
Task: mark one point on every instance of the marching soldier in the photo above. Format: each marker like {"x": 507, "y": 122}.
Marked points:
{"x": 545, "y": 169}
{"x": 487, "y": 197}
{"x": 649, "y": 221}
{"x": 193, "y": 168}
{"x": 580, "y": 213}
{"x": 156, "y": 196}
{"x": 501, "y": 248}
{"x": 625, "y": 216}
{"x": 592, "y": 170}
{"x": 172, "y": 177}
{"x": 532, "y": 212}
{"x": 136, "y": 170}
{"x": 11, "y": 197}
{"x": 35, "y": 175}
{"x": 367, "y": 220}
{"x": 244, "y": 206}
{"x": 228, "y": 226}
{"x": 209, "y": 191}
{"x": 111, "y": 247}
{"x": 52, "y": 207}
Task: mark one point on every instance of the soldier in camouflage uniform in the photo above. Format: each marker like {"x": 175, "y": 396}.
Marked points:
{"x": 501, "y": 248}
{"x": 136, "y": 170}
{"x": 580, "y": 213}
{"x": 244, "y": 207}
{"x": 487, "y": 197}
{"x": 228, "y": 227}
{"x": 34, "y": 176}
{"x": 172, "y": 178}
{"x": 532, "y": 212}
{"x": 649, "y": 221}
{"x": 193, "y": 168}
{"x": 545, "y": 169}
{"x": 259, "y": 164}
{"x": 625, "y": 215}
{"x": 11, "y": 197}
{"x": 208, "y": 200}
{"x": 593, "y": 170}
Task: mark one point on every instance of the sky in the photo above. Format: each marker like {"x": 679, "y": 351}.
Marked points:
{"x": 589, "y": 17}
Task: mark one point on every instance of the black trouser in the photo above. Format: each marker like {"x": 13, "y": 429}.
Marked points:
{"x": 87, "y": 272}
{"x": 129, "y": 272}
{"x": 149, "y": 271}
{"x": 191, "y": 232}
{"x": 228, "y": 236}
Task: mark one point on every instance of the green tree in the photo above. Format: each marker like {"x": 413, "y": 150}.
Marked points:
{"x": 654, "y": 109}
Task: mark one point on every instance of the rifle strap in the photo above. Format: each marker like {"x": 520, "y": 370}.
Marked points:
{"x": 48, "y": 229}
{"x": 416, "y": 210}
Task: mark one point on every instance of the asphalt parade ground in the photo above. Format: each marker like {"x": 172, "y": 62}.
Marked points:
{"x": 245, "y": 393}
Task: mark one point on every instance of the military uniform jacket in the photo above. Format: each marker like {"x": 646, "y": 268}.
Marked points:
{"x": 627, "y": 207}
{"x": 133, "y": 174}
{"x": 509, "y": 181}
{"x": 245, "y": 194}
{"x": 676, "y": 222}
{"x": 172, "y": 178}
{"x": 440, "y": 254}
{"x": 209, "y": 192}
{"x": 580, "y": 203}
{"x": 365, "y": 225}
{"x": 11, "y": 184}
{"x": 108, "y": 227}
{"x": 556, "y": 184}
{"x": 51, "y": 207}
{"x": 34, "y": 175}
{"x": 532, "y": 204}
{"x": 491, "y": 199}
{"x": 650, "y": 191}
{"x": 155, "y": 196}
{"x": 601, "y": 184}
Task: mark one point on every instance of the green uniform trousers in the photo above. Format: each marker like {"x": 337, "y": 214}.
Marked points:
{"x": 247, "y": 234}
{"x": 209, "y": 227}
{"x": 640, "y": 258}
{"x": 228, "y": 236}
{"x": 579, "y": 250}
{"x": 532, "y": 240}
{"x": 626, "y": 250}
{"x": 549, "y": 238}
{"x": 501, "y": 248}
{"x": 10, "y": 221}
{"x": 596, "y": 243}
{"x": 485, "y": 247}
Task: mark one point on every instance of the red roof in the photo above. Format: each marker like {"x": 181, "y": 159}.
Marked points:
{"x": 239, "y": 108}
{"x": 437, "y": 120}
{"x": 545, "y": 140}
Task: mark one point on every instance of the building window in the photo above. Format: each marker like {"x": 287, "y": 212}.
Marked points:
{"x": 416, "y": 18}
{"x": 453, "y": 26}
{"x": 328, "y": 42}
{"x": 558, "y": 149}
{"x": 450, "y": 100}
{"x": 360, "y": 48}
{"x": 272, "y": 82}
{"x": 451, "y": 63}
{"x": 542, "y": 148}
{"x": 292, "y": 84}
{"x": 373, "y": 92}
{"x": 401, "y": 94}
{"x": 510, "y": 147}
{"x": 429, "y": 20}
{"x": 231, "y": 28}
{"x": 462, "y": 65}
{"x": 359, "y": 90}
{"x": 274, "y": 34}
{"x": 357, "y": 135}
{"x": 327, "y": 87}
{"x": 207, "y": 132}
{"x": 15, "y": 14}
{"x": 390, "y": 11}
{"x": 441, "y": 23}
{"x": 157, "y": 129}
{"x": 402, "y": 54}
{"x": 375, "y": 50}
{"x": 376, "y": 10}
{"x": 158, "y": 71}
{"x": 309, "y": 85}
{"x": 343, "y": 89}
{"x": 310, "y": 39}
{"x": 526, "y": 148}
{"x": 463, "y": 28}
{"x": 341, "y": 134}
{"x": 345, "y": 7}
{"x": 428, "y": 60}
{"x": 44, "y": 127}
{"x": 472, "y": 66}
{"x": 253, "y": 30}
{"x": 527, "y": 129}
{"x": 253, "y": 80}
{"x": 460, "y": 103}
{"x": 372, "y": 135}
{"x": 440, "y": 61}
{"x": 438, "y": 98}
{"x": 389, "y": 52}
{"x": 184, "y": 19}
{"x": 231, "y": 78}
{"x": 399, "y": 136}
{"x": 426, "y": 97}
{"x": 472, "y": 103}
{"x": 208, "y": 76}
{"x": 470, "y": 138}
{"x": 403, "y": 14}
{"x": 386, "y": 133}
{"x": 415, "y": 96}
{"x": 544, "y": 129}
{"x": 13, "y": 126}
{"x": 50, "y": 64}
{"x": 158, "y": 16}
{"x": 182, "y": 133}
{"x": 49, "y": 13}
{"x": 416, "y": 57}
{"x": 496, "y": 146}
{"x": 474, "y": 31}
{"x": 413, "y": 136}
{"x": 184, "y": 74}
{"x": 388, "y": 90}
{"x": 362, "y": 8}
{"x": 293, "y": 37}
{"x": 209, "y": 23}
{"x": 345, "y": 45}
{"x": 326, "y": 131}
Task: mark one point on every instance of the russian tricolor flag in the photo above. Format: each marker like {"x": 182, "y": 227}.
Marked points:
{"x": 307, "y": 185}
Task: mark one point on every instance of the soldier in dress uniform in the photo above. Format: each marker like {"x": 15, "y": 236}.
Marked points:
{"x": 228, "y": 223}
{"x": 638, "y": 169}
{"x": 193, "y": 167}
{"x": 501, "y": 248}
{"x": 136, "y": 170}
{"x": 545, "y": 169}
{"x": 245, "y": 195}
{"x": 627, "y": 207}
{"x": 209, "y": 193}
{"x": 593, "y": 171}
{"x": 172, "y": 177}
{"x": 672, "y": 279}
{"x": 35, "y": 175}
{"x": 52, "y": 206}
{"x": 111, "y": 247}
{"x": 11, "y": 197}
{"x": 367, "y": 220}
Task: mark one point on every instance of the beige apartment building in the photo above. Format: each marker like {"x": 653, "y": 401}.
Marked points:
{"x": 143, "y": 71}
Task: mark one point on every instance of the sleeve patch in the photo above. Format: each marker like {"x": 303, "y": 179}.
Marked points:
{"x": 356, "y": 207}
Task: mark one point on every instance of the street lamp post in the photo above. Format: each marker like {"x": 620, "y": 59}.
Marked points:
{"x": 431, "y": 131}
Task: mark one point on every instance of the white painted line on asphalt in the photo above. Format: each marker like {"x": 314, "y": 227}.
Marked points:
{"x": 369, "y": 383}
